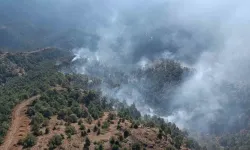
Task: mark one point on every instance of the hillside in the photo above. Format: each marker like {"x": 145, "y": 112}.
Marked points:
{"x": 73, "y": 96}
{"x": 38, "y": 73}
{"x": 72, "y": 110}
{"x": 125, "y": 74}
{"x": 19, "y": 124}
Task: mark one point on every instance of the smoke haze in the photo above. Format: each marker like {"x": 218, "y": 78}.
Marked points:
{"x": 117, "y": 39}
{"x": 209, "y": 36}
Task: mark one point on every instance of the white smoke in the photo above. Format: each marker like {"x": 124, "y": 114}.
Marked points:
{"x": 210, "y": 36}
{"x": 120, "y": 36}
{"x": 227, "y": 62}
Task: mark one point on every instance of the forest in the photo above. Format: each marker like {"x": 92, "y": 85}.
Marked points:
{"x": 126, "y": 75}
{"x": 41, "y": 75}
{"x": 63, "y": 95}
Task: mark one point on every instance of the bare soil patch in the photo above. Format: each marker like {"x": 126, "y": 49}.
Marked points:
{"x": 19, "y": 125}
{"x": 147, "y": 137}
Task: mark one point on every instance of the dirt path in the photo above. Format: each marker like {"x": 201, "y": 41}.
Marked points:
{"x": 19, "y": 125}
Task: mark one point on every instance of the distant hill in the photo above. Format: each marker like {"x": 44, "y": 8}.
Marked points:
{"x": 36, "y": 24}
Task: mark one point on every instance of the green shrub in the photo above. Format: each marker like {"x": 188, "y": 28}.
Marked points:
{"x": 160, "y": 134}
{"x": 100, "y": 147}
{"x": 136, "y": 146}
{"x": 80, "y": 122}
{"x": 136, "y": 126}
{"x": 55, "y": 141}
{"x": 70, "y": 130}
{"x": 178, "y": 141}
{"x": 112, "y": 140}
{"x": 28, "y": 141}
{"x": 73, "y": 118}
{"x": 95, "y": 110}
{"x": 1, "y": 140}
{"x": 118, "y": 127}
{"x": 89, "y": 119}
{"x": 82, "y": 127}
{"x": 105, "y": 125}
{"x": 115, "y": 147}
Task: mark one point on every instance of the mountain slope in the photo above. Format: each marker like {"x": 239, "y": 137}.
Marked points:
{"x": 69, "y": 98}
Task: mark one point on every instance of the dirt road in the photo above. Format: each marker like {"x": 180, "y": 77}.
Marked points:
{"x": 19, "y": 125}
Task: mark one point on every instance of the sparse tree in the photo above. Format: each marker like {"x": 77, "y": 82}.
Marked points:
{"x": 87, "y": 143}
{"x": 98, "y": 132}
{"x": 47, "y": 131}
{"x": 95, "y": 129}
{"x": 98, "y": 123}
{"x": 126, "y": 134}
{"x": 83, "y": 133}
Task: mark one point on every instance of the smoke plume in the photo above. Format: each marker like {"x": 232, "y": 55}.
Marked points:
{"x": 209, "y": 36}
{"x": 186, "y": 61}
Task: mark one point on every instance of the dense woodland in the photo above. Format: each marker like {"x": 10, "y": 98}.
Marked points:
{"x": 63, "y": 95}
{"x": 165, "y": 76}
{"x": 24, "y": 75}
{"x": 40, "y": 75}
